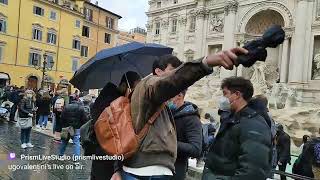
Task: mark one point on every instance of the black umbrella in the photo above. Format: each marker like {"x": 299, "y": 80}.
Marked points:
{"x": 110, "y": 64}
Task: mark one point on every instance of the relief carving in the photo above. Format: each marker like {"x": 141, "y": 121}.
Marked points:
{"x": 216, "y": 23}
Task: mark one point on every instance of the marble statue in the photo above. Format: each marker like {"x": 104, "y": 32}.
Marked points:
{"x": 316, "y": 69}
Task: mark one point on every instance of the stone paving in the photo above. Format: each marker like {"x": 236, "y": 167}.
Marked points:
{"x": 43, "y": 145}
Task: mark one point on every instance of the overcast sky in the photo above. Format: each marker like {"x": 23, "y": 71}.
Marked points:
{"x": 132, "y": 12}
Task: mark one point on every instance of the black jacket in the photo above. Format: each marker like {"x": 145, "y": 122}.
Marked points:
{"x": 241, "y": 150}
{"x": 73, "y": 115}
{"x": 43, "y": 106}
{"x": 189, "y": 136}
{"x": 25, "y": 107}
{"x": 283, "y": 147}
{"x": 102, "y": 170}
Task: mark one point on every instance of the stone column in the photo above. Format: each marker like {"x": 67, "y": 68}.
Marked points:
{"x": 164, "y": 31}
{"x": 300, "y": 41}
{"x": 230, "y": 8}
{"x": 284, "y": 61}
{"x": 150, "y": 34}
{"x": 182, "y": 32}
{"x": 200, "y": 32}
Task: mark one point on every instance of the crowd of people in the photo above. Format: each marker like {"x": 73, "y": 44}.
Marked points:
{"x": 245, "y": 143}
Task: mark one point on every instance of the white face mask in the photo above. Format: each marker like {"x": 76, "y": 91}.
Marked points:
{"x": 224, "y": 103}
{"x": 29, "y": 95}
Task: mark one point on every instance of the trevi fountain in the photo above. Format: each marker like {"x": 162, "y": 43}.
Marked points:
{"x": 290, "y": 77}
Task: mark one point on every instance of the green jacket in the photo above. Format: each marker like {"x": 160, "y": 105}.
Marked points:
{"x": 159, "y": 147}
{"x": 242, "y": 149}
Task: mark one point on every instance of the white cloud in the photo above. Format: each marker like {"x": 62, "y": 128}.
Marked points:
{"x": 132, "y": 12}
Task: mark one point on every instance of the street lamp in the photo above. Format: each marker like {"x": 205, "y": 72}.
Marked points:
{"x": 44, "y": 67}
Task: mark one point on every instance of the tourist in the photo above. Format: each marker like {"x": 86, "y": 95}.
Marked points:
{"x": 149, "y": 95}
{"x": 15, "y": 97}
{"x": 283, "y": 149}
{"x": 43, "y": 111}
{"x": 260, "y": 104}
{"x": 305, "y": 139}
{"x": 25, "y": 114}
{"x": 58, "y": 106}
{"x": 74, "y": 116}
{"x": 102, "y": 170}
{"x": 189, "y": 135}
{"x": 242, "y": 146}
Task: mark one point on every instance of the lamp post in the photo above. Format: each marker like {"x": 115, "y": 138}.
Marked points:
{"x": 44, "y": 67}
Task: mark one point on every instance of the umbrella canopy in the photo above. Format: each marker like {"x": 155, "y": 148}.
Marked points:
{"x": 110, "y": 64}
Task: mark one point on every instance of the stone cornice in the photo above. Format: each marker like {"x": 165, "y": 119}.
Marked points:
{"x": 167, "y": 9}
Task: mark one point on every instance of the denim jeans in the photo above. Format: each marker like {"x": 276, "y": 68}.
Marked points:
{"x": 76, "y": 144}
{"x": 25, "y": 135}
{"x": 53, "y": 123}
{"x": 43, "y": 120}
{"x": 128, "y": 176}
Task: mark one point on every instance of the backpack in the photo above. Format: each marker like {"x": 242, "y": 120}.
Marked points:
{"x": 316, "y": 154}
{"x": 59, "y": 104}
{"x": 114, "y": 129}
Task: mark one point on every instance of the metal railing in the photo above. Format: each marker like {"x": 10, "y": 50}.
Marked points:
{"x": 293, "y": 176}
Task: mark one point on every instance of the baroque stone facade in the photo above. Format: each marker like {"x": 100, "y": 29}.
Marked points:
{"x": 195, "y": 28}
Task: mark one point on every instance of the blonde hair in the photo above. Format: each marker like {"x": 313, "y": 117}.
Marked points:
{"x": 29, "y": 91}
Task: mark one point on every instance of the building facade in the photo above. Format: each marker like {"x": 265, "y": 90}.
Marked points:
{"x": 33, "y": 29}
{"x": 135, "y": 35}
{"x": 195, "y": 28}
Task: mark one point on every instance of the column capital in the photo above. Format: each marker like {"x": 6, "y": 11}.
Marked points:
{"x": 149, "y": 26}
{"x": 183, "y": 20}
{"x": 202, "y": 12}
{"x": 231, "y": 6}
{"x": 165, "y": 24}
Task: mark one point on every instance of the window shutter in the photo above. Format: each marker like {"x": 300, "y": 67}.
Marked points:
{"x": 34, "y": 10}
{"x": 4, "y": 26}
{"x": 30, "y": 59}
{"x": 42, "y": 12}
{"x": 40, "y": 35}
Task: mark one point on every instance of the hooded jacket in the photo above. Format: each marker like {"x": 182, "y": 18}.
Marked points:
{"x": 189, "y": 136}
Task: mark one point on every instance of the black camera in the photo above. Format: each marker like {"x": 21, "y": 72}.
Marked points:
{"x": 272, "y": 37}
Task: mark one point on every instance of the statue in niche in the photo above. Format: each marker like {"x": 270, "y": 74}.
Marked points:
{"x": 316, "y": 67}
{"x": 216, "y": 23}
{"x": 258, "y": 78}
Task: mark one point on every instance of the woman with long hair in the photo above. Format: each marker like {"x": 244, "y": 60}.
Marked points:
{"x": 43, "y": 104}
{"x": 25, "y": 114}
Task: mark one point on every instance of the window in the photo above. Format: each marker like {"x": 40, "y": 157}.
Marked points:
{"x": 52, "y": 38}
{"x": 75, "y": 62}
{"x": 38, "y": 11}
{"x": 85, "y": 31}
{"x": 34, "y": 59}
{"x": 78, "y": 23}
{"x": 110, "y": 22}
{"x": 159, "y": 4}
{"x": 157, "y": 28}
{"x": 107, "y": 38}
{"x": 37, "y": 34}
{"x": 76, "y": 44}
{"x": 175, "y": 1}
{"x": 50, "y": 61}
{"x": 192, "y": 23}
{"x": 4, "y": 2}
{"x": 84, "y": 51}
{"x": 3, "y": 25}
{"x": 174, "y": 25}
{"x": 88, "y": 14}
{"x": 1, "y": 53}
{"x": 53, "y": 15}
